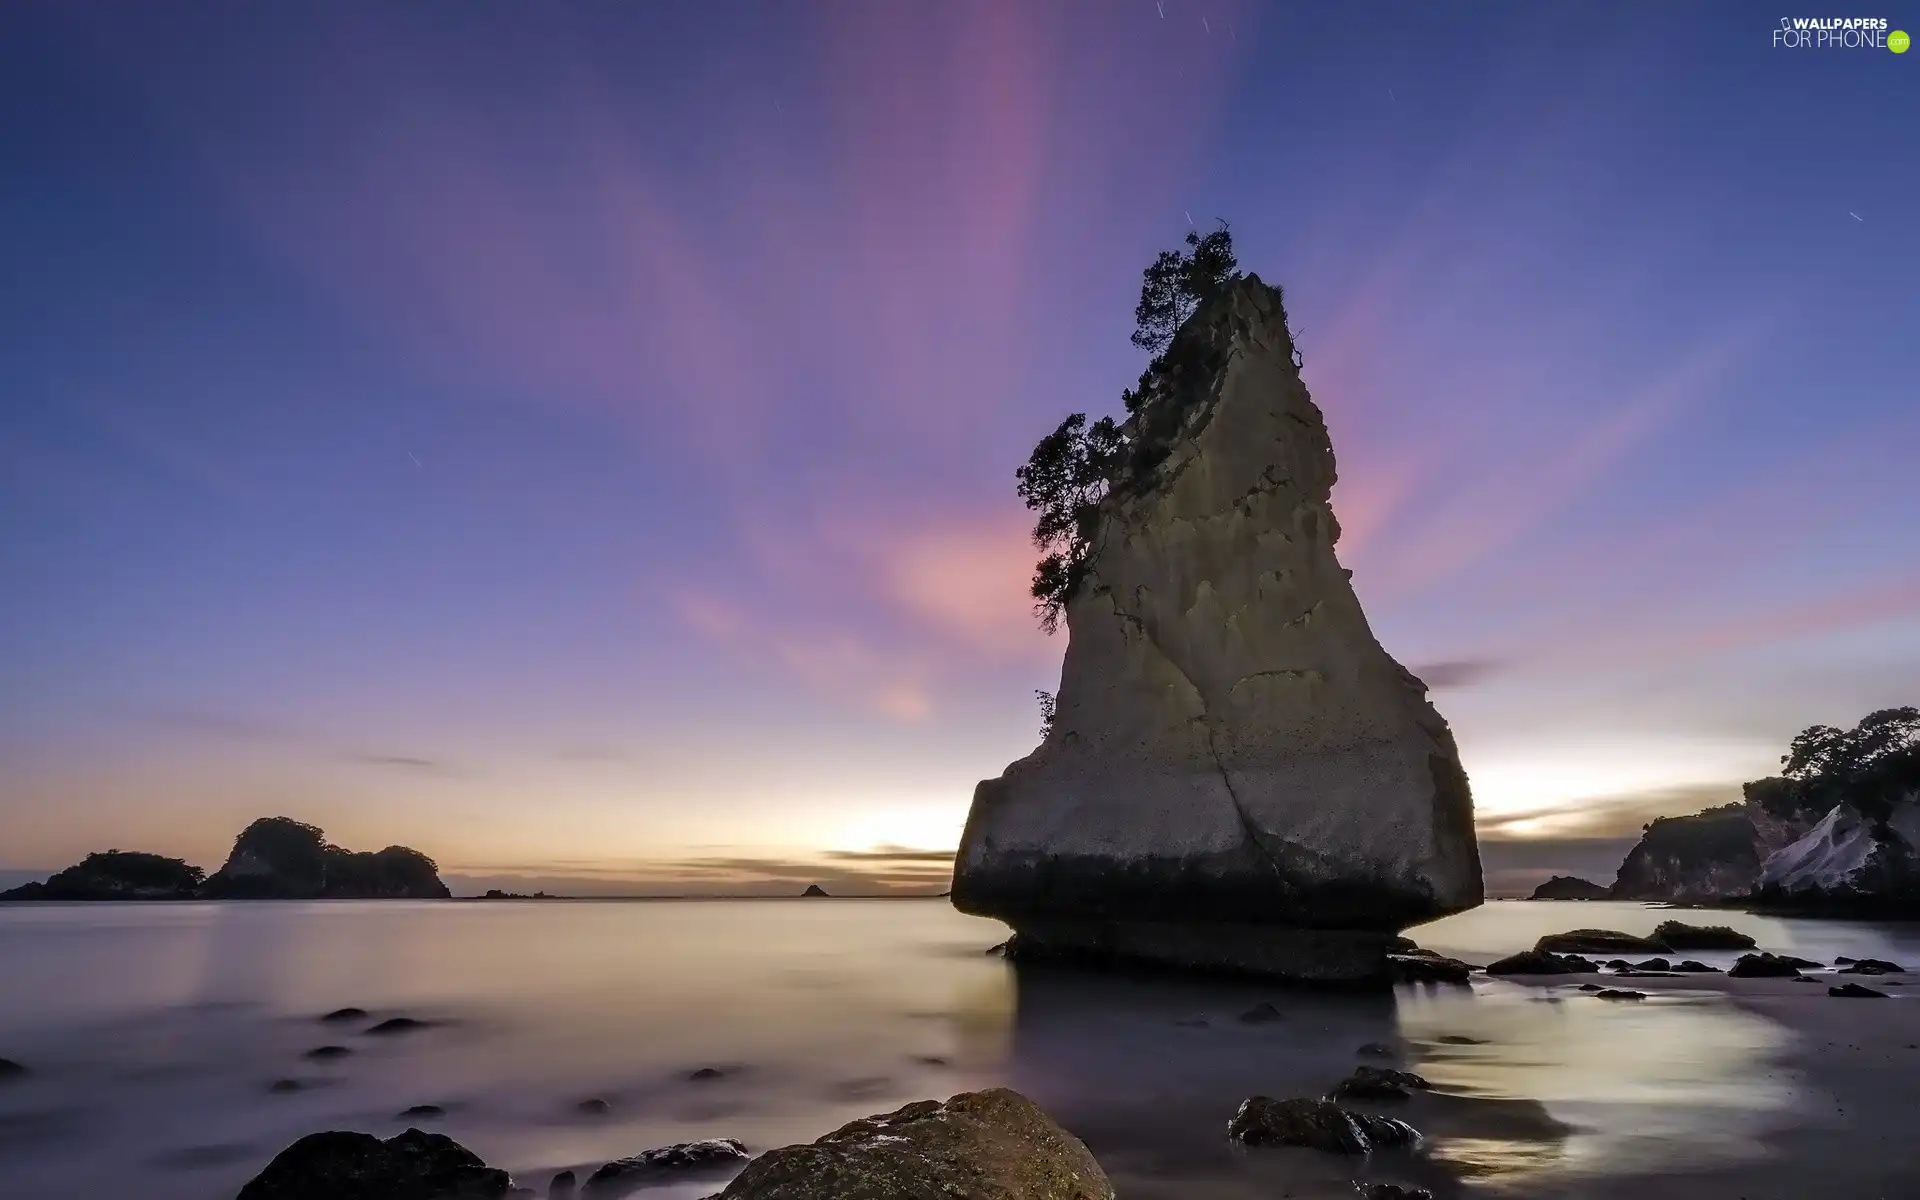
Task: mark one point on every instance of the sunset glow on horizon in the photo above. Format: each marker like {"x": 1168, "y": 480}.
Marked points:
{"x": 578, "y": 442}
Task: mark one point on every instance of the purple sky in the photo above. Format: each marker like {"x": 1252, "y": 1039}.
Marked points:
{"x": 577, "y": 440}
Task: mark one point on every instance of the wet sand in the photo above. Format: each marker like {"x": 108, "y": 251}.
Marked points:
{"x": 1852, "y": 1068}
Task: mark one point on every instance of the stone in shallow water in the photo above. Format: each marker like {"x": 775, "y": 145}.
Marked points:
{"x": 1316, "y": 1125}
{"x": 394, "y": 1025}
{"x": 326, "y": 1052}
{"x": 1619, "y": 994}
{"x": 10, "y": 1069}
{"x": 1855, "y": 991}
{"x": 1870, "y": 966}
{"x": 1262, "y": 1013}
{"x": 561, "y": 1186}
{"x": 1768, "y": 966}
{"x": 1378, "y": 1083}
{"x": 1678, "y": 935}
{"x": 994, "y": 1144}
{"x": 358, "y": 1166}
{"x": 345, "y": 1014}
{"x": 1394, "y": 1191}
{"x": 1428, "y": 968}
{"x": 1237, "y": 777}
{"x": 1535, "y": 962}
{"x": 624, "y": 1175}
{"x": 593, "y": 1106}
{"x": 1599, "y": 941}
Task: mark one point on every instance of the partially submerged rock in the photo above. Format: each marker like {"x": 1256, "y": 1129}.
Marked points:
{"x": 1678, "y": 935}
{"x": 1619, "y": 994}
{"x": 1427, "y": 968}
{"x": 1535, "y": 962}
{"x": 1599, "y": 941}
{"x": 1855, "y": 991}
{"x": 394, "y": 1025}
{"x": 358, "y": 1166}
{"x": 993, "y": 1145}
{"x": 345, "y": 1014}
{"x": 10, "y": 1069}
{"x": 1237, "y": 776}
{"x": 1316, "y": 1125}
{"x": 1768, "y": 966}
{"x": 624, "y": 1175}
{"x": 1378, "y": 1083}
{"x": 1871, "y": 966}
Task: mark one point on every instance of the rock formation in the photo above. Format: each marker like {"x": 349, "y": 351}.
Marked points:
{"x": 275, "y": 858}
{"x": 359, "y": 1166}
{"x": 117, "y": 875}
{"x": 1776, "y": 850}
{"x": 1847, "y": 864}
{"x": 1698, "y": 859}
{"x": 988, "y": 1144}
{"x": 278, "y": 858}
{"x": 1569, "y": 887}
{"x": 1237, "y": 775}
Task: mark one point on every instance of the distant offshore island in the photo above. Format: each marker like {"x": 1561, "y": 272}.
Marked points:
{"x": 275, "y": 858}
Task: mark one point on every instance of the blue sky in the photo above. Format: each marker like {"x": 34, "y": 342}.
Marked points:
{"x": 578, "y": 440}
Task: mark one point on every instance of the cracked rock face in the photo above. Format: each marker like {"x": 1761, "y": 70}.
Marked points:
{"x": 1238, "y": 776}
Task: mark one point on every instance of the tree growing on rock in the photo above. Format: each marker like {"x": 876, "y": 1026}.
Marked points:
{"x": 1871, "y": 767}
{"x": 1073, "y": 468}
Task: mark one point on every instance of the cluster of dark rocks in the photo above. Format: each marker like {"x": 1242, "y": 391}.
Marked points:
{"x": 977, "y": 1143}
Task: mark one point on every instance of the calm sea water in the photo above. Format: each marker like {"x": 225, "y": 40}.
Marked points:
{"x": 153, "y": 1033}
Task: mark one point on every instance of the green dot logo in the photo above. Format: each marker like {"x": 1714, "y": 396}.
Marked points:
{"x": 1898, "y": 41}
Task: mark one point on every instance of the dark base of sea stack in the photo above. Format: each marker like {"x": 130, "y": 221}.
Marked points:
{"x": 1317, "y": 957}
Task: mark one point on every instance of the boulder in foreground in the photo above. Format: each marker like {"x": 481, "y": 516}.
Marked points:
{"x": 1316, "y": 1125}
{"x": 991, "y": 1145}
{"x": 358, "y": 1166}
{"x": 1236, "y": 775}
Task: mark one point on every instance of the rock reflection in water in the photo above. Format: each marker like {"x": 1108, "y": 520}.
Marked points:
{"x": 1677, "y": 1079}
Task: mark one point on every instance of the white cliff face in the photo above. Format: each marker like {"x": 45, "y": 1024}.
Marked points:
{"x": 1837, "y": 857}
{"x": 1232, "y": 746}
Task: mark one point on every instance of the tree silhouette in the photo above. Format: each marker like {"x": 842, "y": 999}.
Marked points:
{"x": 1073, "y": 468}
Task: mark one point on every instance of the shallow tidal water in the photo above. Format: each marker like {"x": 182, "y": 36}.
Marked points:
{"x": 153, "y": 1033}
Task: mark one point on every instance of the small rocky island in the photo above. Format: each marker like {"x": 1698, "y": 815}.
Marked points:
{"x": 1235, "y": 774}
{"x": 1570, "y": 887}
{"x": 274, "y": 858}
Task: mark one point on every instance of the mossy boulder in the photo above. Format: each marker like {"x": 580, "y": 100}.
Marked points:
{"x": 991, "y": 1145}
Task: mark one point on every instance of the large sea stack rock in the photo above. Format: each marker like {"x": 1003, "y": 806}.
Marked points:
{"x": 1237, "y": 776}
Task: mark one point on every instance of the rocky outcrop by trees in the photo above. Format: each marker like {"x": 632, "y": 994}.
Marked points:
{"x": 1838, "y": 831}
